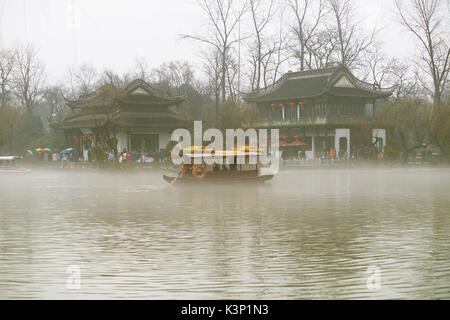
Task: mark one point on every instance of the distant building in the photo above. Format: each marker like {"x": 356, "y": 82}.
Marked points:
{"x": 134, "y": 118}
{"x": 322, "y": 108}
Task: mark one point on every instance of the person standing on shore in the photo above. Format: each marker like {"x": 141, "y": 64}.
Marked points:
{"x": 143, "y": 158}
{"x": 65, "y": 159}
{"x": 111, "y": 156}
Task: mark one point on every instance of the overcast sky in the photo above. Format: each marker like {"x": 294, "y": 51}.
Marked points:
{"x": 112, "y": 33}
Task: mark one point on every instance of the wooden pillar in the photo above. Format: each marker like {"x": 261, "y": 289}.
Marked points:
{"x": 128, "y": 140}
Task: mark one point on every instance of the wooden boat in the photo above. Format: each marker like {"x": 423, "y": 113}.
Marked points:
{"x": 234, "y": 173}
{"x": 8, "y": 165}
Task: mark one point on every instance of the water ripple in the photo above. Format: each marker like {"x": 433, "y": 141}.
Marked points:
{"x": 309, "y": 234}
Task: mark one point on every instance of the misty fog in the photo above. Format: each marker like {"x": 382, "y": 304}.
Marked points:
{"x": 306, "y": 234}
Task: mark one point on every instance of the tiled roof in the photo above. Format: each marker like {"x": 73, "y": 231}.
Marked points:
{"x": 314, "y": 83}
{"x": 137, "y": 91}
{"x": 123, "y": 118}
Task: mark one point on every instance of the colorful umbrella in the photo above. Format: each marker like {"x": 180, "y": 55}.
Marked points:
{"x": 48, "y": 149}
{"x": 30, "y": 152}
{"x": 39, "y": 149}
{"x": 68, "y": 150}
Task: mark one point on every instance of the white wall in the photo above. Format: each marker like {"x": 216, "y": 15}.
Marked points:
{"x": 379, "y": 133}
{"x": 122, "y": 138}
{"x": 342, "y": 133}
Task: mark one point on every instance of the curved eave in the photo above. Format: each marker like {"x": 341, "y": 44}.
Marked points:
{"x": 262, "y": 99}
{"x": 293, "y": 76}
{"x": 367, "y": 96}
{"x": 162, "y": 121}
{"x": 160, "y": 101}
{"x": 371, "y": 95}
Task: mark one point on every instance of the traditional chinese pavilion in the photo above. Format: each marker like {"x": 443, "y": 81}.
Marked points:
{"x": 324, "y": 109}
{"x": 136, "y": 118}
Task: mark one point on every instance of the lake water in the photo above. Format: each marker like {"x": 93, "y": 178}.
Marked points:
{"x": 308, "y": 234}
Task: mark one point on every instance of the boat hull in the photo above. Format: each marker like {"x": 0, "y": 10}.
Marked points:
{"x": 220, "y": 177}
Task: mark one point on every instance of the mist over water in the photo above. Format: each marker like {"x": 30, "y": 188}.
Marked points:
{"x": 307, "y": 234}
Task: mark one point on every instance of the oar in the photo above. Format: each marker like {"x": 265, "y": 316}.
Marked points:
{"x": 178, "y": 174}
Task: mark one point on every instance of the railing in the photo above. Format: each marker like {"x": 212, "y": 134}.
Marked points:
{"x": 328, "y": 119}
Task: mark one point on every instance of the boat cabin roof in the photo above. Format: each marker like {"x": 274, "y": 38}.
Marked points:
{"x": 223, "y": 153}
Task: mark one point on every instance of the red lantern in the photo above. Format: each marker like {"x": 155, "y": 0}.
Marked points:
{"x": 284, "y": 137}
{"x": 84, "y": 137}
{"x": 281, "y": 105}
{"x": 291, "y": 104}
{"x": 301, "y": 103}
{"x": 296, "y": 137}
{"x": 92, "y": 137}
{"x": 272, "y": 105}
{"x": 100, "y": 136}
{"x": 75, "y": 137}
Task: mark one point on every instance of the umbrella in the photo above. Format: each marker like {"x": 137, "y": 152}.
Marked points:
{"x": 48, "y": 149}
{"x": 30, "y": 152}
{"x": 68, "y": 150}
{"x": 39, "y": 149}
{"x": 297, "y": 143}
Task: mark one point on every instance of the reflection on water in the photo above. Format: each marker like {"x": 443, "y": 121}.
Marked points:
{"x": 307, "y": 234}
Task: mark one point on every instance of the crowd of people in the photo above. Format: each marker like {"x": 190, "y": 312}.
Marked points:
{"x": 137, "y": 157}
{"x": 65, "y": 157}
{"x": 358, "y": 153}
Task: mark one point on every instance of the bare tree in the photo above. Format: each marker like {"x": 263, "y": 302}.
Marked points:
{"x": 82, "y": 79}
{"x": 232, "y": 78}
{"x": 213, "y": 69}
{"x": 425, "y": 20}
{"x": 384, "y": 72}
{"x": 377, "y": 65}
{"x": 109, "y": 77}
{"x": 351, "y": 43}
{"x": 321, "y": 49}
{"x": 402, "y": 76}
{"x": 279, "y": 55}
{"x": 172, "y": 77}
{"x": 6, "y": 69}
{"x": 223, "y": 18}
{"x": 29, "y": 77}
{"x": 53, "y": 99}
{"x": 141, "y": 69}
{"x": 261, "y": 13}
{"x": 305, "y": 27}
{"x": 273, "y": 57}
